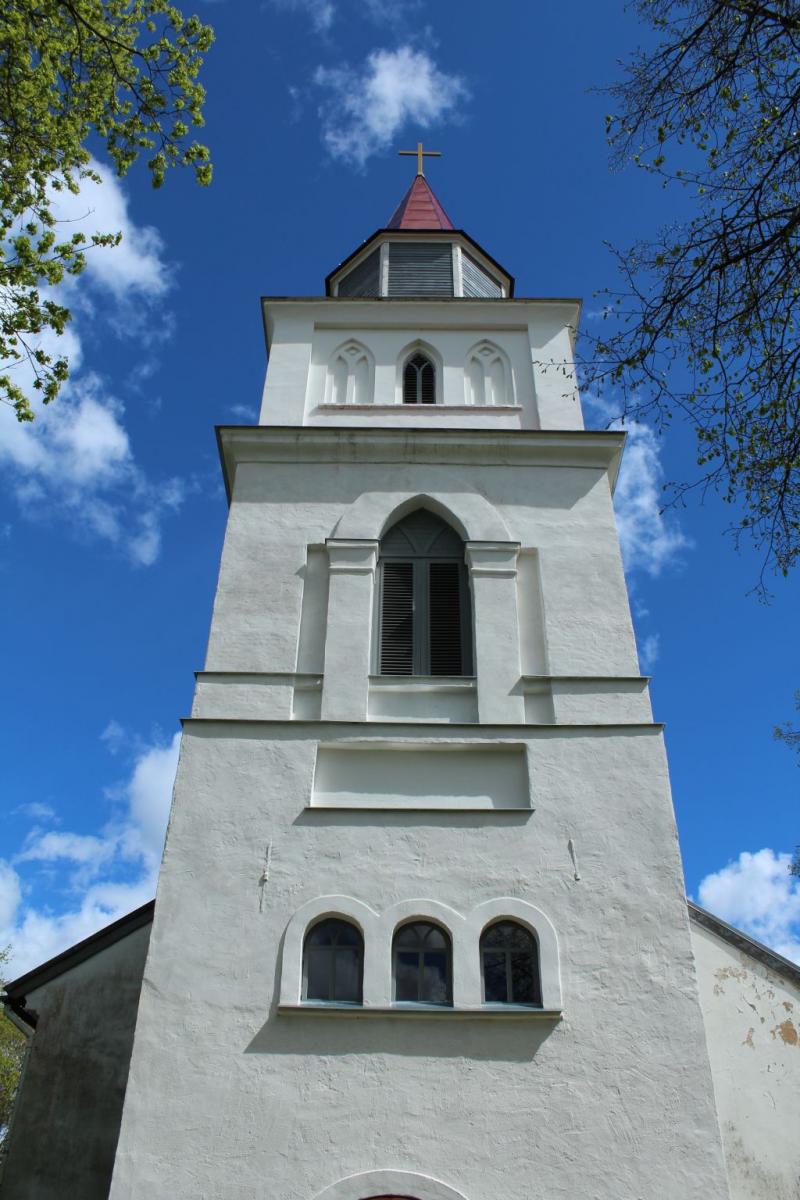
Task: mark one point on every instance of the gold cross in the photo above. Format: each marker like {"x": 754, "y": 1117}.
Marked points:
{"x": 420, "y": 153}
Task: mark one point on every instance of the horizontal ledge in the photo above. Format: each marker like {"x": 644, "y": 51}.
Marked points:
{"x": 398, "y": 406}
{"x": 509, "y": 730}
{"x": 438, "y": 1013}
{"x": 278, "y": 678}
{"x": 494, "y": 810}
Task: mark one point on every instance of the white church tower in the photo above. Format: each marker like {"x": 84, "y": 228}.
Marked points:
{"x": 420, "y": 929}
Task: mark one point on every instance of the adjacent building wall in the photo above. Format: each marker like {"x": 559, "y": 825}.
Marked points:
{"x": 752, "y": 1020}
{"x": 66, "y": 1124}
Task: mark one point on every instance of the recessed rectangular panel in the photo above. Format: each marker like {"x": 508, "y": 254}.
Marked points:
{"x": 420, "y": 775}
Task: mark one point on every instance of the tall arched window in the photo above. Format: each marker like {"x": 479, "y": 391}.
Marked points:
{"x": 425, "y": 619}
{"x": 510, "y": 965}
{"x": 419, "y": 380}
{"x": 333, "y": 962}
{"x": 423, "y": 966}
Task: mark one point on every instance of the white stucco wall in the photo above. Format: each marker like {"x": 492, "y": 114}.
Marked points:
{"x": 607, "y": 1093}
{"x": 533, "y": 336}
{"x": 752, "y": 1018}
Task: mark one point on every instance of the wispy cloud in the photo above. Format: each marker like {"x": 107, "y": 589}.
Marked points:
{"x": 76, "y": 461}
{"x": 757, "y": 894}
{"x": 366, "y": 107}
{"x": 322, "y": 14}
{"x": 103, "y": 875}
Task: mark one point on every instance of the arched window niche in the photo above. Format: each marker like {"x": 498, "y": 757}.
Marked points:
{"x": 509, "y": 955}
{"x": 333, "y": 962}
{"x": 487, "y": 376}
{"x": 420, "y": 375}
{"x": 425, "y": 619}
{"x": 350, "y": 375}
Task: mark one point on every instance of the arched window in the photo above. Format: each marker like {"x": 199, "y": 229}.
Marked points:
{"x": 425, "y": 619}
{"x": 510, "y": 965}
{"x": 423, "y": 969}
{"x": 419, "y": 380}
{"x": 333, "y": 962}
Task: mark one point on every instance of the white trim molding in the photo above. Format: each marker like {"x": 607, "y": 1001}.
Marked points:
{"x": 369, "y": 1184}
{"x": 470, "y": 514}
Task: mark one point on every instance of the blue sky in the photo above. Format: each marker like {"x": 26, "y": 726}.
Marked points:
{"x": 113, "y": 511}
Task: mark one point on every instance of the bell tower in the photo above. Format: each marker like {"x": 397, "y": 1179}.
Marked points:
{"x": 420, "y": 928}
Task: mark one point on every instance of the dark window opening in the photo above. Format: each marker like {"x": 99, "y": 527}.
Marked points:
{"x": 425, "y": 614}
{"x": 333, "y": 962}
{"x": 422, "y": 964}
{"x": 510, "y": 965}
{"x": 419, "y": 381}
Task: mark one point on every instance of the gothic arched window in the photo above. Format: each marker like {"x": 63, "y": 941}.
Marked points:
{"x": 419, "y": 380}
{"x": 423, "y": 966}
{"x": 425, "y": 619}
{"x": 510, "y": 965}
{"x": 333, "y": 962}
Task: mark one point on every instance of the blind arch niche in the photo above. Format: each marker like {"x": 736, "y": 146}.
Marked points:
{"x": 425, "y": 620}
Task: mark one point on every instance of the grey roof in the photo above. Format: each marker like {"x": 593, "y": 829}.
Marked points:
{"x": 745, "y": 943}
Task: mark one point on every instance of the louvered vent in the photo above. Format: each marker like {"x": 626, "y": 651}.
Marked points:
{"x": 420, "y": 269}
{"x": 444, "y": 600}
{"x": 419, "y": 381}
{"x": 397, "y": 619}
{"x": 475, "y": 280}
{"x": 363, "y": 280}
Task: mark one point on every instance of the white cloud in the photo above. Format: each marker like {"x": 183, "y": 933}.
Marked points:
{"x": 757, "y": 894}
{"x": 320, "y": 12}
{"x": 367, "y": 107}
{"x": 136, "y": 265}
{"x": 649, "y": 651}
{"x": 75, "y": 462}
{"x": 37, "y": 810}
{"x": 105, "y": 874}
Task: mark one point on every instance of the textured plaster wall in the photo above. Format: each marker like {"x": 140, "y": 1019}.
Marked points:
{"x": 533, "y": 335}
{"x": 229, "y": 1098}
{"x": 752, "y": 1018}
{"x": 67, "y": 1119}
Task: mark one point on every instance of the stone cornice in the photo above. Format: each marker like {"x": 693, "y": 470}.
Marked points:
{"x": 598, "y": 450}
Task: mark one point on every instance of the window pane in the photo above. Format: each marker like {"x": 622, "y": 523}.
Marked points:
{"x": 348, "y": 935}
{"x": 435, "y": 938}
{"x": 523, "y": 979}
{"x": 435, "y": 988}
{"x": 494, "y": 977}
{"x": 318, "y": 974}
{"x": 347, "y": 975}
{"x": 406, "y": 970}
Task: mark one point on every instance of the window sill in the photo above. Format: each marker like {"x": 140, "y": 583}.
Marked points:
{"x": 437, "y": 1012}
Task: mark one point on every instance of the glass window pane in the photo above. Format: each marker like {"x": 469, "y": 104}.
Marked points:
{"x": 435, "y": 938}
{"x": 523, "y": 979}
{"x": 435, "y": 988}
{"x": 347, "y": 976}
{"x": 517, "y": 937}
{"x": 494, "y": 977}
{"x": 318, "y": 974}
{"x": 493, "y": 937}
{"x": 406, "y": 973}
{"x": 321, "y": 935}
{"x": 347, "y": 935}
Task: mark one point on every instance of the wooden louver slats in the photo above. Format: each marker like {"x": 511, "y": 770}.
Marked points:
{"x": 397, "y": 619}
{"x": 444, "y": 606}
{"x": 476, "y": 282}
{"x": 420, "y": 269}
{"x": 364, "y": 279}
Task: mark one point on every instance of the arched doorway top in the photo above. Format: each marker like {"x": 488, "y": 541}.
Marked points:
{"x": 472, "y": 516}
{"x": 389, "y": 1185}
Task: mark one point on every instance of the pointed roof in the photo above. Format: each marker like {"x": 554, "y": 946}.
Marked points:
{"x": 419, "y": 209}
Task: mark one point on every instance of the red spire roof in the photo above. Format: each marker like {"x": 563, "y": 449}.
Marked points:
{"x": 419, "y": 209}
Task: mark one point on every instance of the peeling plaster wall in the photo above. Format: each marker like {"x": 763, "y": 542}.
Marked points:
{"x": 66, "y": 1123}
{"x": 752, "y": 1019}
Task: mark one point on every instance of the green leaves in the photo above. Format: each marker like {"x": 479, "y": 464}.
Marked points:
{"x": 125, "y": 70}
